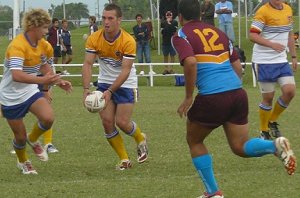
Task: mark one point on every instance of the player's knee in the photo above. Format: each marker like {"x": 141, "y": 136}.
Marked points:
{"x": 123, "y": 124}
{"x": 47, "y": 121}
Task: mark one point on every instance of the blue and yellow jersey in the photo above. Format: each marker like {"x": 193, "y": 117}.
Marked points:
{"x": 21, "y": 55}
{"x": 111, "y": 55}
{"x": 214, "y": 53}
{"x": 274, "y": 25}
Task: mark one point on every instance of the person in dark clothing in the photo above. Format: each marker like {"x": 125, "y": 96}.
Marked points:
{"x": 207, "y": 12}
{"x": 168, "y": 29}
{"x": 141, "y": 34}
{"x": 167, "y": 5}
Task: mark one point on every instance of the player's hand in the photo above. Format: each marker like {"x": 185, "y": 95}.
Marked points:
{"x": 278, "y": 47}
{"x": 65, "y": 85}
{"x": 85, "y": 93}
{"x": 106, "y": 96}
{"x": 50, "y": 79}
{"x": 185, "y": 106}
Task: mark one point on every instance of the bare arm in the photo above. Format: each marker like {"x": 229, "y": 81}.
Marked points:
{"x": 292, "y": 50}
{"x": 257, "y": 38}
{"x": 190, "y": 74}
{"x": 237, "y": 67}
{"x": 87, "y": 73}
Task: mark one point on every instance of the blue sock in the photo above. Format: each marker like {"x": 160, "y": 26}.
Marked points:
{"x": 203, "y": 165}
{"x": 257, "y": 147}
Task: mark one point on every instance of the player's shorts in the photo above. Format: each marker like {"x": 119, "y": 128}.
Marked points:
{"x": 268, "y": 75}
{"x": 122, "y": 95}
{"x": 69, "y": 51}
{"x": 215, "y": 110}
{"x": 168, "y": 49}
{"x": 57, "y": 51}
{"x": 20, "y": 110}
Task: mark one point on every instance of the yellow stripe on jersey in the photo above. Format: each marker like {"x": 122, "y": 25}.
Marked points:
{"x": 208, "y": 58}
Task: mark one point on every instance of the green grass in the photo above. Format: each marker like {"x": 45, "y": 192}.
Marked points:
{"x": 84, "y": 167}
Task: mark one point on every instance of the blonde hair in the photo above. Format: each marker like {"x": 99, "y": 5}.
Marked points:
{"x": 35, "y": 18}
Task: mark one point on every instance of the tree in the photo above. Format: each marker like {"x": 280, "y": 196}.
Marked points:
{"x": 6, "y": 19}
{"x": 74, "y": 12}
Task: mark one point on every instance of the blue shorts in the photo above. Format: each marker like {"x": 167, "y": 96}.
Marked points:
{"x": 168, "y": 49}
{"x": 122, "y": 95}
{"x": 215, "y": 110}
{"x": 271, "y": 72}
{"x": 20, "y": 110}
{"x": 69, "y": 51}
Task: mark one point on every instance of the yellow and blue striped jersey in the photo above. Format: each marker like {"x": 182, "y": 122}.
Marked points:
{"x": 274, "y": 25}
{"x": 111, "y": 55}
{"x": 21, "y": 55}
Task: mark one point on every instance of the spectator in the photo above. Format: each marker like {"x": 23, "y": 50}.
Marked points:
{"x": 141, "y": 34}
{"x": 224, "y": 10}
{"x": 66, "y": 45}
{"x": 167, "y": 5}
{"x": 208, "y": 12}
{"x": 54, "y": 39}
{"x": 168, "y": 29}
{"x": 93, "y": 26}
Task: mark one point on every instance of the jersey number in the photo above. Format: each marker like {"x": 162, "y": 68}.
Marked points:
{"x": 209, "y": 45}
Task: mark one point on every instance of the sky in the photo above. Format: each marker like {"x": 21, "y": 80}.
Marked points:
{"x": 45, "y": 4}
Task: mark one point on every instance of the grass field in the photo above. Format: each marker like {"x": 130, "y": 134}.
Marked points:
{"x": 84, "y": 167}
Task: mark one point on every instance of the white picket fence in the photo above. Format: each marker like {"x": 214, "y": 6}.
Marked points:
{"x": 150, "y": 76}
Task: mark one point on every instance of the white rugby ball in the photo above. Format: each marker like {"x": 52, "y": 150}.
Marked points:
{"x": 94, "y": 102}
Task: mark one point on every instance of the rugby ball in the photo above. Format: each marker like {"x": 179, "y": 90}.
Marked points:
{"x": 94, "y": 102}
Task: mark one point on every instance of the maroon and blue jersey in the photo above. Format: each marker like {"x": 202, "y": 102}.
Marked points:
{"x": 214, "y": 53}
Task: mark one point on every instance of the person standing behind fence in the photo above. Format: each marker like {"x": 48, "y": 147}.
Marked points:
{"x": 208, "y": 12}
{"x": 141, "y": 34}
{"x": 93, "y": 25}
{"x": 224, "y": 10}
{"x": 27, "y": 55}
{"x": 66, "y": 45}
{"x": 165, "y": 6}
{"x": 168, "y": 29}
{"x": 208, "y": 65}
{"x": 118, "y": 81}
{"x": 272, "y": 34}
{"x": 53, "y": 37}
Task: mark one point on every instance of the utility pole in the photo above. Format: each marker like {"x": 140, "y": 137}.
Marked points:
{"x": 64, "y": 8}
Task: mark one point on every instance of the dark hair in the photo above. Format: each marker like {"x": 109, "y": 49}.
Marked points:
{"x": 138, "y": 15}
{"x": 189, "y": 9}
{"x": 54, "y": 20}
{"x": 115, "y": 7}
{"x": 93, "y": 18}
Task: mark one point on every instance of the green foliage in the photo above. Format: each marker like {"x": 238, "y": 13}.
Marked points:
{"x": 6, "y": 18}
{"x": 132, "y": 7}
{"x": 74, "y": 11}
